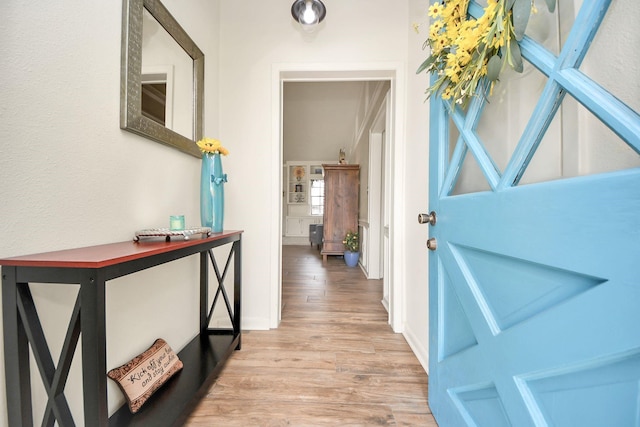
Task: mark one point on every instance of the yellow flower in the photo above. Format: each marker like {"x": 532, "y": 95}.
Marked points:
{"x": 436, "y": 27}
{"x": 440, "y": 44}
{"x": 498, "y": 40}
{"x": 464, "y": 57}
{"x": 453, "y": 74}
{"x": 435, "y": 10}
{"x": 448, "y": 92}
{"x": 211, "y": 146}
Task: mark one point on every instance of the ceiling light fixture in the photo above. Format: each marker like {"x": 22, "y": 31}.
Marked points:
{"x": 308, "y": 13}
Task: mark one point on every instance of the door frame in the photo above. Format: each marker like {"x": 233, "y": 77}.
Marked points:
{"x": 394, "y": 72}
{"x": 376, "y": 179}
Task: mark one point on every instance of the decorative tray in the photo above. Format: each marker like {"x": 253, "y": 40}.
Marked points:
{"x": 168, "y": 234}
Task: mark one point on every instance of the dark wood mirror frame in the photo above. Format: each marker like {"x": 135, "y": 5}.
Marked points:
{"x": 131, "y": 117}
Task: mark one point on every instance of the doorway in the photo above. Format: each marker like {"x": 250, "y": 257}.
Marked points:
{"x": 395, "y": 237}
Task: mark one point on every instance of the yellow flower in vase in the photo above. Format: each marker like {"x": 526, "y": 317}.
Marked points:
{"x": 211, "y": 146}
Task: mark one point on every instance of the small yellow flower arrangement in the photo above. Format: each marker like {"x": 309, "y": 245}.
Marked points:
{"x": 350, "y": 242}
{"x": 468, "y": 54}
{"x": 211, "y": 146}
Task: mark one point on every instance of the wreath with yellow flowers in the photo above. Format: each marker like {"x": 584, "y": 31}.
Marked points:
{"x": 468, "y": 54}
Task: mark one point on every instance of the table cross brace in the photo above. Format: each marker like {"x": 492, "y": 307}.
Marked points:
{"x": 54, "y": 379}
{"x": 221, "y": 289}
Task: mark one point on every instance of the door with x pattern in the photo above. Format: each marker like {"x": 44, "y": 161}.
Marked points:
{"x": 535, "y": 273}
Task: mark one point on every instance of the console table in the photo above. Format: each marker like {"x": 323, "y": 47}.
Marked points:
{"x": 91, "y": 268}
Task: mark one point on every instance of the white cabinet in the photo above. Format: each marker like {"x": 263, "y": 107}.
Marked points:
{"x": 298, "y": 187}
{"x": 299, "y": 226}
{"x": 299, "y": 176}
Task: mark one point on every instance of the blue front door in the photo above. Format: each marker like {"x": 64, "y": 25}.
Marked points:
{"x": 535, "y": 286}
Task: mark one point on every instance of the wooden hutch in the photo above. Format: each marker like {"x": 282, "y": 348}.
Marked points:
{"x": 341, "y": 197}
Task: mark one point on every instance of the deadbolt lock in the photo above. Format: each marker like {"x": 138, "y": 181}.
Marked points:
{"x": 429, "y": 218}
{"x": 432, "y": 244}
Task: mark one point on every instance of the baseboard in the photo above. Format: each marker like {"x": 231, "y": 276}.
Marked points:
{"x": 296, "y": 240}
{"x": 255, "y": 324}
{"x": 421, "y": 352}
{"x": 385, "y": 304}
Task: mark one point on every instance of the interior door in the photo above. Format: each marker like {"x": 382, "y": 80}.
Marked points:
{"x": 535, "y": 275}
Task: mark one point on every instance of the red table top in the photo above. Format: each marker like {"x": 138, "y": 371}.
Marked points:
{"x": 109, "y": 254}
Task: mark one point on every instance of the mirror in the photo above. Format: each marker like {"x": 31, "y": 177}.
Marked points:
{"x": 165, "y": 102}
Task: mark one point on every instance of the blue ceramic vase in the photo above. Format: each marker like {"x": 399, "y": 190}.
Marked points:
{"x": 351, "y": 258}
{"x": 212, "y": 181}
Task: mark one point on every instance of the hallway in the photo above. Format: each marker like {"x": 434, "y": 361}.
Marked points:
{"x": 333, "y": 361}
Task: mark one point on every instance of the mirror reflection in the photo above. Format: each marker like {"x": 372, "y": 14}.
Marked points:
{"x": 167, "y": 79}
{"x": 162, "y": 90}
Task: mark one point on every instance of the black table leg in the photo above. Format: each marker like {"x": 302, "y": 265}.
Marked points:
{"x": 16, "y": 353}
{"x": 237, "y": 289}
{"x": 94, "y": 351}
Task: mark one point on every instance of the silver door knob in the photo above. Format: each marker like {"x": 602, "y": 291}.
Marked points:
{"x": 432, "y": 244}
{"x": 427, "y": 218}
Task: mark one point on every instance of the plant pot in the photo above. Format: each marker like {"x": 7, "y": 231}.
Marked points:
{"x": 351, "y": 258}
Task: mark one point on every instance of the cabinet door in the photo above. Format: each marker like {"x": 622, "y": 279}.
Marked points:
{"x": 294, "y": 227}
{"x": 306, "y": 222}
{"x": 299, "y": 226}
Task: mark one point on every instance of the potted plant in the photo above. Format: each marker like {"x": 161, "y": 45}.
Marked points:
{"x": 351, "y": 249}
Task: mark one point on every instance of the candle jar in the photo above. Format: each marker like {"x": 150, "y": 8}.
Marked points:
{"x": 176, "y": 222}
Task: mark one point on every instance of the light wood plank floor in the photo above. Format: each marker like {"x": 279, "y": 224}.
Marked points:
{"x": 334, "y": 360}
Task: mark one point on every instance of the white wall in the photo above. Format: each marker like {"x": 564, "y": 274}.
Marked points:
{"x": 319, "y": 119}
{"x": 70, "y": 177}
{"x": 612, "y": 61}
{"x": 358, "y": 150}
{"x": 417, "y": 195}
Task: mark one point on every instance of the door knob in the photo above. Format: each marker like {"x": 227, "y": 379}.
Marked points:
{"x": 427, "y": 218}
{"x": 432, "y": 244}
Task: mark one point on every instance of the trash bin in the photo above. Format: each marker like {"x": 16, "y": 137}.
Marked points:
{"x": 315, "y": 234}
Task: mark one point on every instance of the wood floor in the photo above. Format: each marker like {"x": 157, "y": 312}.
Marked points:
{"x": 334, "y": 360}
